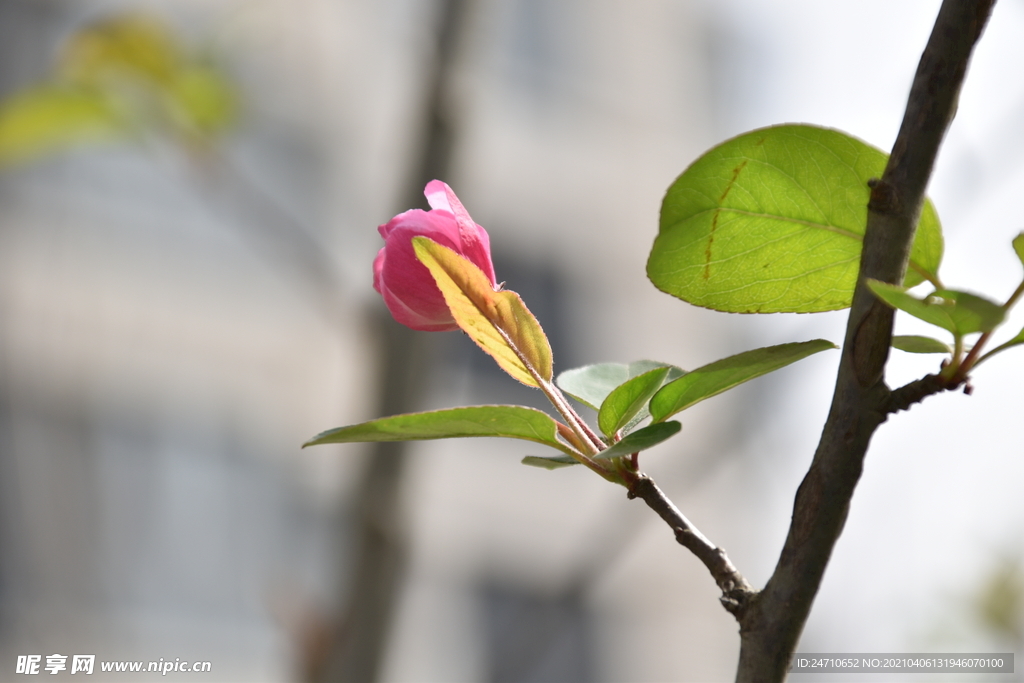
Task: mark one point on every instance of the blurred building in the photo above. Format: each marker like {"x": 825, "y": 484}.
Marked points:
{"x": 161, "y": 363}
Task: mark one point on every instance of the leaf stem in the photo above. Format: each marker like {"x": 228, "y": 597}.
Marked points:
{"x": 972, "y": 358}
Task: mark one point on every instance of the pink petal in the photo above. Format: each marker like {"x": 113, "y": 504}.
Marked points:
{"x": 475, "y": 244}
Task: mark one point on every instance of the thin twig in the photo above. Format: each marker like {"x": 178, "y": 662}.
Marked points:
{"x": 736, "y": 592}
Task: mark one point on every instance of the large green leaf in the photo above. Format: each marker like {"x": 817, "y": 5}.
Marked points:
{"x": 714, "y": 378}
{"x": 591, "y": 384}
{"x": 641, "y": 440}
{"x": 773, "y": 220}
{"x": 958, "y": 312}
{"x": 628, "y": 399}
{"x": 514, "y": 422}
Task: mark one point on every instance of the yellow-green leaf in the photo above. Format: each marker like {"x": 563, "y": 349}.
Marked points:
{"x": 48, "y": 118}
{"x": 499, "y": 322}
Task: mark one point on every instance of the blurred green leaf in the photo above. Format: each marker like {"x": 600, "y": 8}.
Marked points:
{"x": 773, "y": 220}
{"x": 591, "y": 384}
{"x": 126, "y": 73}
{"x": 1018, "y": 246}
{"x": 1016, "y": 341}
{"x": 554, "y": 462}
{"x": 958, "y": 312}
{"x": 641, "y": 440}
{"x": 48, "y": 118}
{"x": 514, "y": 422}
{"x": 913, "y": 343}
{"x": 203, "y": 100}
{"x": 628, "y": 399}
{"x": 973, "y": 313}
{"x": 722, "y": 375}
{"x": 132, "y": 45}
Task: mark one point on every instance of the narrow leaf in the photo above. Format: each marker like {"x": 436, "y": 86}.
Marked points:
{"x": 514, "y": 422}
{"x": 641, "y": 440}
{"x": 591, "y": 384}
{"x": 913, "y": 343}
{"x": 1018, "y": 246}
{"x": 628, "y": 399}
{"x": 1016, "y": 341}
{"x": 549, "y": 463}
{"x": 714, "y": 378}
{"x": 498, "y": 322}
{"x": 773, "y": 220}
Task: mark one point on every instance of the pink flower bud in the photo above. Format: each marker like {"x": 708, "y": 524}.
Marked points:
{"x": 407, "y": 286}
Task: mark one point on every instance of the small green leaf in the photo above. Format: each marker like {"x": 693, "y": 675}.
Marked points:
{"x": 628, "y": 399}
{"x": 958, "y": 312}
{"x": 641, "y": 440}
{"x": 913, "y": 343}
{"x": 1016, "y": 341}
{"x": 1018, "y": 246}
{"x": 555, "y": 462}
{"x": 514, "y": 422}
{"x": 972, "y": 313}
{"x": 591, "y": 384}
{"x": 933, "y": 311}
{"x": 722, "y": 375}
{"x": 499, "y": 322}
{"x": 773, "y": 220}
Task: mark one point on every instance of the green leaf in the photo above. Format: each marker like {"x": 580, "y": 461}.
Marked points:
{"x": 972, "y": 313}
{"x": 958, "y": 312}
{"x": 514, "y": 422}
{"x": 628, "y": 399}
{"x": 773, "y": 220}
{"x": 932, "y": 311}
{"x": 722, "y": 375}
{"x": 913, "y": 343}
{"x": 499, "y": 322}
{"x": 1016, "y": 341}
{"x": 1018, "y": 246}
{"x": 641, "y": 440}
{"x": 47, "y": 119}
{"x": 549, "y": 463}
{"x": 591, "y": 384}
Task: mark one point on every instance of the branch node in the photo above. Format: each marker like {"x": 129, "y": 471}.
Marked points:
{"x": 884, "y": 198}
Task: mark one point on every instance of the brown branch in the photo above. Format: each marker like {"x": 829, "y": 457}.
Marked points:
{"x": 917, "y": 391}
{"x": 774, "y": 619}
{"x": 736, "y": 592}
